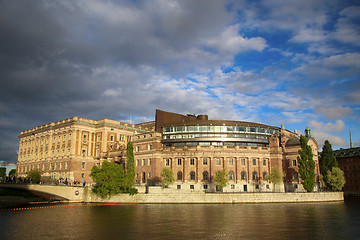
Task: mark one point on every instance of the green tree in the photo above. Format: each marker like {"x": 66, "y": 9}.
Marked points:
{"x": 221, "y": 179}
{"x": 167, "y": 177}
{"x": 306, "y": 165}
{"x": 335, "y": 179}
{"x": 275, "y": 176}
{"x": 2, "y": 172}
{"x": 109, "y": 179}
{"x": 34, "y": 175}
{"x": 327, "y": 160}
{"x": 12, "y": 173}
{"x": 130, "y": 166}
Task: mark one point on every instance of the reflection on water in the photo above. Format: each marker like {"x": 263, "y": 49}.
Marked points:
{"x": 186, "y": 221}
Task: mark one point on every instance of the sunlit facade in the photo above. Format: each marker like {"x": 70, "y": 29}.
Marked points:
{"x": 194, "y": 147}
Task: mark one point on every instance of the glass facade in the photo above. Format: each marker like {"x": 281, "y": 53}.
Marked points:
{"x": 217, "y": 135}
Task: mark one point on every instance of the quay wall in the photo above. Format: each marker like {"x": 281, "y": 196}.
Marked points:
{"x": 159, "y": 195}
{"x": 220, "y": 197}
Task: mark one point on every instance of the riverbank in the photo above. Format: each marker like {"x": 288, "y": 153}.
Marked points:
{"x": 220, "y": 198}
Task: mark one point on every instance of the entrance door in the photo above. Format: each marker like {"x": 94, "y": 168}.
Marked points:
{"x": 245, "y": 188}
{"x": 143, "y": 177}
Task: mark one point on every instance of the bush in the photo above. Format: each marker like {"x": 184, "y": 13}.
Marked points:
{"x": 34, "y": 176}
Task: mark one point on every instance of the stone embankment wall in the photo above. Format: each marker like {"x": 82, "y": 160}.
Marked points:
{"x": 171, "y": 197}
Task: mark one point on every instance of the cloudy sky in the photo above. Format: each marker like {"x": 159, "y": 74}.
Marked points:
{"x": 276, "y": 62}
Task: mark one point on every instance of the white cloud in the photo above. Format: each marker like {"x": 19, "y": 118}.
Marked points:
{"x": 229, "y": 41}
{"x": 347, "y": 27}
{"x": 338, "y": 126}
{"x": 320, "y": 131}
{"x": 333, "y": 112}
{"x": 321, "y": 136}
{"x": 335, "y": 127}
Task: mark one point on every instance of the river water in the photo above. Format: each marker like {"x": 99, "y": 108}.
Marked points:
{"x": 338, "y": 220}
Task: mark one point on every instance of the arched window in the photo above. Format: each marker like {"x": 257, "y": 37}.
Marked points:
{"x": 179, "y": 176}
{"x": 192, "y": 175}
{"x": 243, "y": 175}
{"x": 231, "y": 175}
{"x": 205, "y": 176}
{"x": 296, "y": 176}
{"x": 264, "y": 175}
{"x": 254, "y": 175}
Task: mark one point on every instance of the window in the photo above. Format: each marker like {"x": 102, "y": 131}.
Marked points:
{"x": 254, "y": 161}
{"x": 296, "y": 176}
{"x": 83, "y": 165}
{"x": 264, "y": 162}
{"x": 243, "y": 161}
{"x": 192, "y": 187}
{"x": 254, "y": 175}
{"x": 264, "y": 175}
{"x": 111, "y": 138}
{"x": 61, "y": 165}
{"x": 243, "y": 175}
{"x": 205, "y": 175}
{"x": 167, "y": 162}
{"x": 192, "y": 175}
{"x": 231, "y": 161}
{"x": 83, "y": 175}
{"x": 231, "y": 175}
{"x": 137, "y": 149}
{"x": 149, "y": 175}
{"x": 179, "y": 176}
{"x": 178, "y": 186}
{"x": 192, "y": 161}
{"x": 294, "y": 163}
{"x": 84, "y": 137}
{"x": 143, "y": 162}
{"x": 205, "y": 161}
{"x": 66, "y": 165}
{"x": 83, "y": 152}
{"x": 179, "y": 161}
{"x": 98, "y": 137}
{"x": 150, "y": 147}
{"x": 149, "y": 161}
{"x": 217, "y": 161}
{"x": 205, "y": 186}
{"x": 137, "y": 162}
{"x": 232, "y": 186}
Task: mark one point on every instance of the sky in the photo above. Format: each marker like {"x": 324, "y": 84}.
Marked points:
{"x": 275, "y": 62}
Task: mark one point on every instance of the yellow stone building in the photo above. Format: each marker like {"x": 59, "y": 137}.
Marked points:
{"x": 192, "y": 146}
{"x": 68, "y": 149}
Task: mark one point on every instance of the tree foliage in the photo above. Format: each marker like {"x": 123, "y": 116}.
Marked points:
{"x": 335, "y": 179}
{"x": 306, "y": 165}
{"x": 130, "y": 165}
{"x": 2, "y": 172}
{"x": 327, "y": 160}
{"x": 167, "y": 177}
{"x": 12, "y": 173}
{"x": 110, "y": 180}
{"x": 34, "y": 175}
{"x": 275, "y": 176}
{"x": 221, "y": 179}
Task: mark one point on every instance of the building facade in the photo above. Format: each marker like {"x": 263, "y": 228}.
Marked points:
{"x": 68, "y": 149}
{"x": 194, "y": 147}
{"x": 349, "y": 161}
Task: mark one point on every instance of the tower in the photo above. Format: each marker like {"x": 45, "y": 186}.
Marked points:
{"x": 351, "y": 143}
{"x": 307, "y": 132}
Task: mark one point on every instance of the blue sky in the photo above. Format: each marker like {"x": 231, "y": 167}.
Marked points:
{"x": 276, "y": 62}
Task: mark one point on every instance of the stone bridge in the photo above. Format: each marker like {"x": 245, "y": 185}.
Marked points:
{"x": 62, "y": 193}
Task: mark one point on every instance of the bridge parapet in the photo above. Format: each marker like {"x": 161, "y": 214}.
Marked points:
{"x": 73, "y": 194}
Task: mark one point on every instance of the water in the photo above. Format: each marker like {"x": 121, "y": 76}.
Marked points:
{"x": 339, "y": 220}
